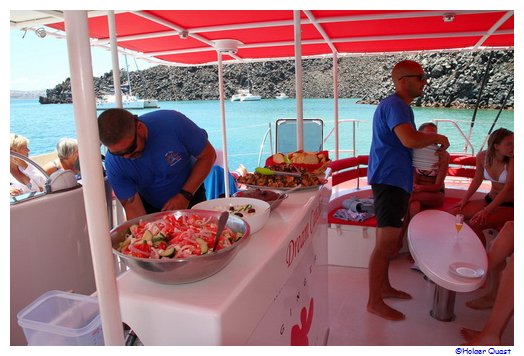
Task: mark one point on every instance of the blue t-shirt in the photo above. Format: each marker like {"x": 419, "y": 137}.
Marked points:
{"x": 173, "y": 142}
{"x": 390, "y": 162}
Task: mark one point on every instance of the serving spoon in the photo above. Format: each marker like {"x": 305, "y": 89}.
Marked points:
{"x": 268, "y": 172}
{"x": 222, "y": 220}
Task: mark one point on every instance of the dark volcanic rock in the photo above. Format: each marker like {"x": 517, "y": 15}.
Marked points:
{"x": 454, "y": 80}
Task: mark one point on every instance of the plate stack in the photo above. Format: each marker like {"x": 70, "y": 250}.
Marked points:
{"x": 425, "y": 158}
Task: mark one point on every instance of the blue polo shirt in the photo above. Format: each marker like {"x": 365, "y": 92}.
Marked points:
{"x": 172, "y": 144}
{"x": 390, "y": 162}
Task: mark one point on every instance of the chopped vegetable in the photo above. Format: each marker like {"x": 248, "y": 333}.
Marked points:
{"x": 173, "y": 237}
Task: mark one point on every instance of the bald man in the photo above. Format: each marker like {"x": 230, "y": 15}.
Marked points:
{"x": 390, "y": 174}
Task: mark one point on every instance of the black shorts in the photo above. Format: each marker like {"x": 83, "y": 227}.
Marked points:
{"x": 391, "y": 204}
{"x": 508, "y": 204}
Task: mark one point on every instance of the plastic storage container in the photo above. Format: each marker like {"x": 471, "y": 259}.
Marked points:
{"x": 62, "y": 318}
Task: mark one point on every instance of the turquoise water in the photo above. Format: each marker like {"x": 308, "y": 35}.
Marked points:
{"x": 247, "y": 123}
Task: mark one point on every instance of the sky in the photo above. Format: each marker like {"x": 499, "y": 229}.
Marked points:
{"x": 42, "y": 63}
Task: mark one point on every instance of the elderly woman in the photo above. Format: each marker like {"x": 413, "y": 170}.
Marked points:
{"x": 24, "y": 177}
{"x": 67, "y": 151}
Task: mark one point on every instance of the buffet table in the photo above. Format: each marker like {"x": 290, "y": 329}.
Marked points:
{"x": 274, "y": 291}
{"x": 437, "y": 251}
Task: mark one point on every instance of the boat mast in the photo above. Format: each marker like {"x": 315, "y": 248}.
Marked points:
{"x": 128, "y": 77}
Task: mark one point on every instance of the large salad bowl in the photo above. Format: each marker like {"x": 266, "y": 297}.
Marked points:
{"x": 180, "y": 270}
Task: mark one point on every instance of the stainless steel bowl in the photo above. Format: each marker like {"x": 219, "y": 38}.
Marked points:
{"x": 180, "y": 270}
{"x": 254, "y": 193}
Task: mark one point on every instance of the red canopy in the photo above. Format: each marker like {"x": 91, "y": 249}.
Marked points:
{"x": 187, "y": 37}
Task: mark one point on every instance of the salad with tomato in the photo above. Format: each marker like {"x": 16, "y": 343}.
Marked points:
{"x": 172, "y": 237}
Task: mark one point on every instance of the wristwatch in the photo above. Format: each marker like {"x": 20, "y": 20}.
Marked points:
{"x": 186, "y": 194}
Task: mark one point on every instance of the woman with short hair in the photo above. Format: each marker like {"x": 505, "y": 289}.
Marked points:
{"x": 25, "y": 178}
{"x": 67, "y": 151}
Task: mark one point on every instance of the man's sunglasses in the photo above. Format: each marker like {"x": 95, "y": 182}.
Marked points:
{"x": 420, "y": 77}
{"x": 132, "y": 147}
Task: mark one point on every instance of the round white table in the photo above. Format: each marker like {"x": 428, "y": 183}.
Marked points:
{"x": 446, "y": 259}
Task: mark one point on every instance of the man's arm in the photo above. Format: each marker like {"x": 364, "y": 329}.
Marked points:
{"x": 412, "y": 138}
{"x": 133, "y": 207}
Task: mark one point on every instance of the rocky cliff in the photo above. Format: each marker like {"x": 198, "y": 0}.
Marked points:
{"x": 454, "y": 80}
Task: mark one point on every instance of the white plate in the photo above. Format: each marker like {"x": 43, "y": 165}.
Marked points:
{"x": 466, "y": 270}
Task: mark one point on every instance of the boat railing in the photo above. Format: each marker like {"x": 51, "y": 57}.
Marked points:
{"x": 56, "y": 182}
{"x": 31, "y": 195}
{"x": 352, "y": 150}
{"x": 467, "y": 142}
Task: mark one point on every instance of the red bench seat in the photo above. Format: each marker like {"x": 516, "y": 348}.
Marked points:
{"x": 449, "y": 202}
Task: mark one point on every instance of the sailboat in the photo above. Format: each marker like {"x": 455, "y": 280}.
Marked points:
{"x": 129, "y": 101}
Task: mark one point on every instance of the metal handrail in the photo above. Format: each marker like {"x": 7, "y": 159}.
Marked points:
{"x": 31, "y": 195}
{"x": 467, "y": 141}
{"x": 268, "y": 133}
{"x": 354, "y": 150}
{"x": 269, "y": 130}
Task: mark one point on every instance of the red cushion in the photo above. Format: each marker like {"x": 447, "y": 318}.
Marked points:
{"x": 449, "y": 202}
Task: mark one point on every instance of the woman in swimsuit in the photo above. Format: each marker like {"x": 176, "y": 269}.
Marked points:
{"x": 494, "y": 164}
{"x": 428, "y": 185}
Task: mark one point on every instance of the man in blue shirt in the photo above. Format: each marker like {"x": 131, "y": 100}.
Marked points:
{"x": 155, "y": 162}
{"x": 390, "y": 174}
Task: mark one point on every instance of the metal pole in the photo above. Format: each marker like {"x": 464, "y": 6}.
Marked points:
{"x": 82, "y": 88}
{"x": 477, "y": 104}
{"x": 223, "y": 115}
{"x": 335, "y": 102}
{"x": 298, "y": 80}
{"x": 114, "y": 58}
{"x": 497, "y": 117}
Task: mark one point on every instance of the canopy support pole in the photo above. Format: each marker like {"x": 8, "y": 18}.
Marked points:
{"x": 83, "y": 92}
{"x": 335, "y": 103}
{"x": 114, "y": 58}
{"x": 223, "y": 116}
{"x": 298, "y": 80}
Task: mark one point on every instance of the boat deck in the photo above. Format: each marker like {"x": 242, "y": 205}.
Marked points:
{"x": 351, "y": 324}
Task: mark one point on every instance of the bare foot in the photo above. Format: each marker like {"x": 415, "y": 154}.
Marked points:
{"x": 481, "y": 303}
{"x": 476, "y": 338}
{"x": 386, "y": 312}
{"x": 395, "y": 293}
{"x": 469, "y": 334}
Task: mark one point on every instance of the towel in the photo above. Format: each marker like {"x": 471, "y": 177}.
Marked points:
{"x": 359, "y": 205}
{"x": 349, "y": 215}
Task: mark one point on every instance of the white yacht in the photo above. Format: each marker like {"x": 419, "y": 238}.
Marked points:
{"x": 282, "y": 96}
{"x": 245, "y": 95}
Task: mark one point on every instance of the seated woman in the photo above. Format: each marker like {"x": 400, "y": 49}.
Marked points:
{"x": 496, "y": 165}
{"x": 67, "y": 151}
{"x": 428, "y": 189}
{"x": 428, "y": 185}
{"x": 24, "y": 177}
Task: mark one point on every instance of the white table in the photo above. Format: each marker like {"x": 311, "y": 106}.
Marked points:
{"x": 434, "y": 247}
{"x": 274, "y": 292}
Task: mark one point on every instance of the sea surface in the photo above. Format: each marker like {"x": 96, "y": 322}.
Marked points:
{"x": 248, "y": 122}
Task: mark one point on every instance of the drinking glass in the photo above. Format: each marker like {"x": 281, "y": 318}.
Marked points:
{"x": 459, "y": 221}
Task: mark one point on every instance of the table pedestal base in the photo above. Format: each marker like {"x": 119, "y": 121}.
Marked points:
{"x": 443, "y": 304}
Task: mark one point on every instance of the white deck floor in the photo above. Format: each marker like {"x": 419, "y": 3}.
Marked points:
{"x": 351, "y": 324}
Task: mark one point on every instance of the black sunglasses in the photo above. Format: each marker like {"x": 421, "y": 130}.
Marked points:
{"x": 132, "y": 147}
{"x": 420, "y": 77}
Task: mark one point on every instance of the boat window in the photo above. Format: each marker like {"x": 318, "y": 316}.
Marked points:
{"x": 286, "y": 137}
